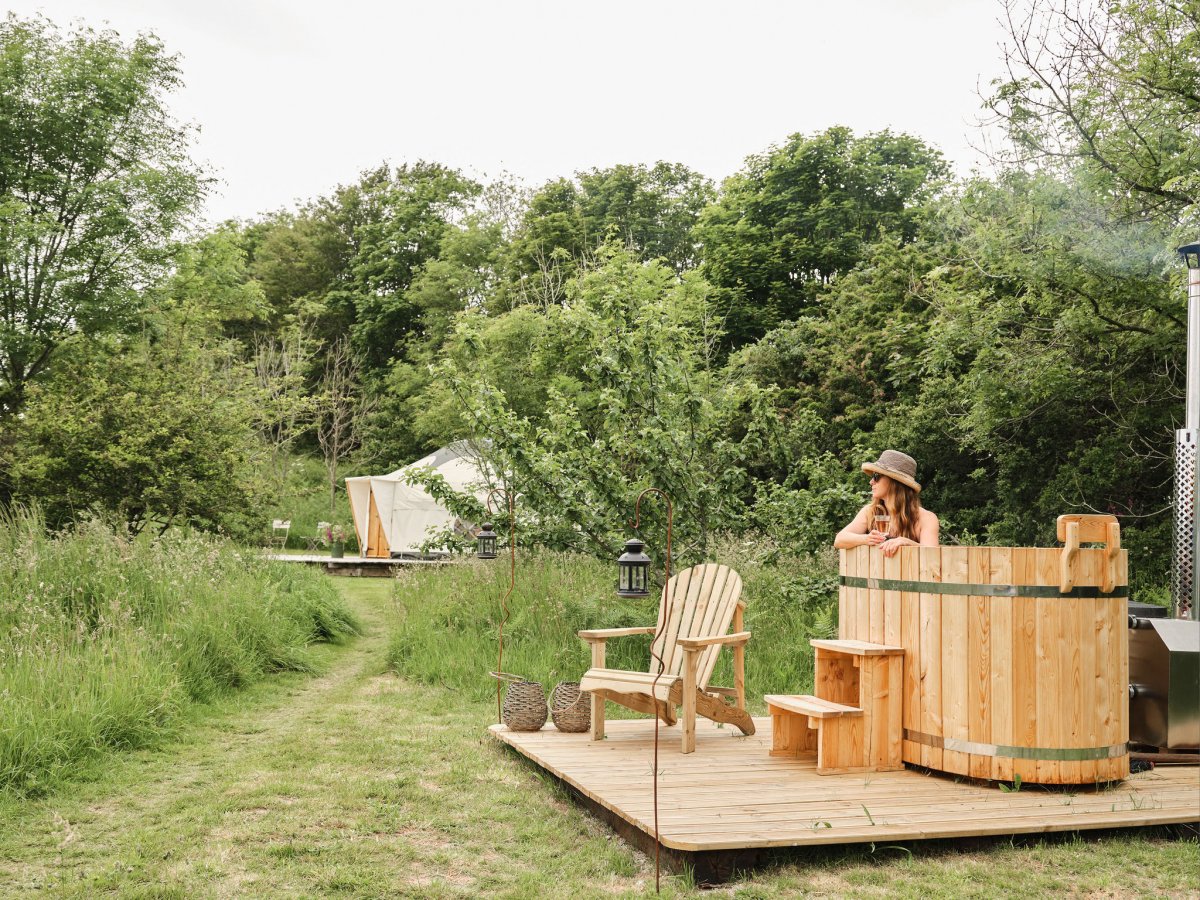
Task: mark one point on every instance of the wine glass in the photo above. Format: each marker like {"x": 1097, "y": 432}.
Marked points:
{"x": 883, "y": 522}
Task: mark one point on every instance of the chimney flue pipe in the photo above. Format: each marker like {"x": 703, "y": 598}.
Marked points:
{"x": 1185, "y": 583}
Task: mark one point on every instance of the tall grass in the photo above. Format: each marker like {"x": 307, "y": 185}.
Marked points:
{"x": 103, "y": 641}
{"x": 448, "y": 626}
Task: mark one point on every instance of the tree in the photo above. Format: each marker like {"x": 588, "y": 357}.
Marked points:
{"x": 1114, "y": 87}
{"x": 801, "y": 214}
{"x": 652, "y": 211}
{"x": 94, "y": 183}
{"x": 342, "y": 409}
{"x": 409, "y": 212}
{"x": 626, "y": 402}
{"x": 147, "y": 435}
{"x": 209, "y": 291}
{"x": 285, "y": 408}
{"x": 1027, "y": 348}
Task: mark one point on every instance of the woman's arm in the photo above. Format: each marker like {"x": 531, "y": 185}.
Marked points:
{"x": 929, "y": 536}
{"x": 856, "y": 534}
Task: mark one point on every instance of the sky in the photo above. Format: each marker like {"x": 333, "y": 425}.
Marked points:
{"x": 293, "y": 97}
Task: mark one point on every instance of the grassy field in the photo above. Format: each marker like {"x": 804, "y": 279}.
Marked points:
{"x": 361, "y": 784}
{"x": 105, "y": 642}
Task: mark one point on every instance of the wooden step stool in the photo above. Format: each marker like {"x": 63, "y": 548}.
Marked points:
{"x": 854, "y": 722}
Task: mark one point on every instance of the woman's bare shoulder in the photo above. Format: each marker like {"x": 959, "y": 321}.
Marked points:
{"x": 927, "y": 516}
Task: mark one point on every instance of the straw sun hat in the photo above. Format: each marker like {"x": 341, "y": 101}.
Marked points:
{"x": 896, "y": 465}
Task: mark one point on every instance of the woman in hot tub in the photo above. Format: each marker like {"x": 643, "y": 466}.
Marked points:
{"x": 894, "y": 518}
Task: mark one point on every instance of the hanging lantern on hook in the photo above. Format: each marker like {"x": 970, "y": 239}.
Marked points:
{"x": 486, "y": 542}
{"x": 633, "y": 570}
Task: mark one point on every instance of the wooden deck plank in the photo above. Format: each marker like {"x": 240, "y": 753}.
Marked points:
{"x": 730, "y": 794}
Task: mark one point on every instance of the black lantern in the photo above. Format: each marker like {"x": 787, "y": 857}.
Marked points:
{"x": 1190, "y": 254}
{"x": 633, "y": 570}
{"x": 487, "y": 542}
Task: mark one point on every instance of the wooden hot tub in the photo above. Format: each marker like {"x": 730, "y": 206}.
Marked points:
{"x": 1016, "y": 658}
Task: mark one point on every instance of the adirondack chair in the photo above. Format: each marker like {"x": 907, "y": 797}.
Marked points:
{"x": 703, "y": 601}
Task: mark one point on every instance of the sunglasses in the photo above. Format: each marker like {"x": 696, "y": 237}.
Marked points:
{"x": 875, "y": 477}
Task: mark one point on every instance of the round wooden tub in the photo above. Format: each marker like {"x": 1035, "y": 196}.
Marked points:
{"x": 1006, "y": 676}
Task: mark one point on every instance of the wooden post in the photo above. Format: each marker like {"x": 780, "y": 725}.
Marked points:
{"x": 691, "y": 660}
{"x": 597, "y": 702}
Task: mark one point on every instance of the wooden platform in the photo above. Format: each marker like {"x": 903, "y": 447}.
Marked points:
{"x": 731, "y": 794}
{"x": 357, "y": 566}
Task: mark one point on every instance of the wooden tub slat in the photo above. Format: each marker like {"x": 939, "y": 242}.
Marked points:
{"x": 979, "y": 661}
{"x": 931, "y": 656}
{"x": 1025, "y": 646}
{"x": 910, "y": 637}
{"x": 1000, "y": 571}
{"x": 955, "y": 659}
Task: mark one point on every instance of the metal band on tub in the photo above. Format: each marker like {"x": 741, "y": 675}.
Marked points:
{"x": 1043, "y": 753}
{"x": 980, "y": 590}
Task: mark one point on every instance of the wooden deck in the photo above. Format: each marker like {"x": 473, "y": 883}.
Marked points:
{"x": 357, "y": 566}
{"x": 731, "y": 795}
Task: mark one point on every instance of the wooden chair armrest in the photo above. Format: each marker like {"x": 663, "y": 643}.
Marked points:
{"x": 695, "y": 643}
{"x": 603, "y": 634}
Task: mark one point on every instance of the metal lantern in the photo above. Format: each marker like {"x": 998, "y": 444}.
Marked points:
{"x": 633, "y": 570}
{"x": 487, "y": 542}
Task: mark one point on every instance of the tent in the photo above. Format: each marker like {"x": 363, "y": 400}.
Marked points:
{"x": 393, "y": 517}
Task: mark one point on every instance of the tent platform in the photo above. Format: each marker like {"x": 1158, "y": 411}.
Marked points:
{"x": 731, "y": 806}
{"x": 355, "y": 566}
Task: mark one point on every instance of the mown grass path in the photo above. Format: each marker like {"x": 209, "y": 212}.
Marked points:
{"x": 355, "y": 783}
{"x": 341, "y": 783}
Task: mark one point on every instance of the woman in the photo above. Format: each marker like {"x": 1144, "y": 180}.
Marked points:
{"x": 894, "y": 518}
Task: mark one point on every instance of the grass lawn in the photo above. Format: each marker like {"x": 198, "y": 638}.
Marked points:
{"x": 358, "y": 783}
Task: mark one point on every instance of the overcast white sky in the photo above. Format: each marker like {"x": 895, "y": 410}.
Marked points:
{"x": 295, "y": 96}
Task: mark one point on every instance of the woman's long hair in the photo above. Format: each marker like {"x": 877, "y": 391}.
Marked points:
{"x": 903, "y": 504}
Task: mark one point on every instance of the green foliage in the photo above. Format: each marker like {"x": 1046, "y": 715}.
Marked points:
{"x": 629, "y": 402}
{"x": 1042, "y": 366}
{"x": 652, "y": 211}
{"x": 1113, "y": 89}
{"x": 408, "y": 217}
{"x": 94, "y": 183}
{"x": 1015, "y": 349}
{"x": 148, "y": 434}
{"x": 104, "y": 642}
{"x": 210, "y": 288}
{"x": 801, "y": 214}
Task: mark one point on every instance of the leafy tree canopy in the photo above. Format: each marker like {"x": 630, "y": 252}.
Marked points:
{"x": 1114, "y": 86}
{"x": 95, "y": 181}
{"x": 652, "y": 210}
{"x": 144, "y": 436}
{"x": 803, "y": 213}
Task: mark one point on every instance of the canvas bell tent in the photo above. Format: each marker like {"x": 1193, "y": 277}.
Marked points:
{"x": 393, "y": 517}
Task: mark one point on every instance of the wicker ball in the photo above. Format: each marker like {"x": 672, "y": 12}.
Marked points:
{"x": 570, "y": 707}
{"x": 524, "y": 706}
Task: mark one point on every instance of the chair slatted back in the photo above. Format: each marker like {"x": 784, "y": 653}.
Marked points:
{"x": 702, "y": 602}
